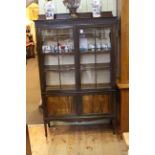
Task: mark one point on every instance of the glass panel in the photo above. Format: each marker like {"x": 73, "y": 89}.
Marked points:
{"x": 51, "y": 60}
{"x": 94, "y": 39}
{"x": 60, "y": 78}
{"x": 95, "y": 77}
{"x": 59, "y": 58}
{"x": 52, "y": 79}
{"x": 49, "y": 34}
{"x": 103, "y": 58}
{"x": 103, "y": 42}
{"x": 97, "y": 104}
{"x": 65, "y": 40}
{"x": 60, "y": 105}
{"x": 95, "y": 59}
{"x": 66, "y": 59}
{"x": 57, "y": 41}
{"x": 67, "y": 79}
{"x": 88, "y": 78}
{"x": 49, "y": 38}
{"x": 88, "y": 59}
{"x": 87, "y": 40}
{"x": 103, "y": 78}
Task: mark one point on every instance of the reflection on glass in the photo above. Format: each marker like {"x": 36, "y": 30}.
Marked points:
{"x": 57, "y": 41}
{"x": 83, "y": 41}
{"x": 91, "y": 59}
{"x": 95, "y": 58}
{"x": 103, "y": 39}
{"x": 103, "y": 77}
{"x": 94, "y": 39}
{"x": 58, "y": 60}
{"x": 87, "y": 59}
{"x": 68, "y": 79}
{"x": 65, "y": 41}
{"x": 103, "y": 58}
{"x": 52, "y": 79}
{"x": 88, "y": 78}
{"x": 66, "y": 59}
{"x": 51, "y": 60}
{"x": 95, "y": 78}
{"x": 65, "y": 79}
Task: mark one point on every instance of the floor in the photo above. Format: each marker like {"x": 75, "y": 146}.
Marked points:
{"x": 64, "y": 140}
{"x": 33, "y": 97}
{"x": 75, "y": 140}
{"x": 126, "y": 138}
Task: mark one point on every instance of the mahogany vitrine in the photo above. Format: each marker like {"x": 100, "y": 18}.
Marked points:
{"x": 77, "y": 60}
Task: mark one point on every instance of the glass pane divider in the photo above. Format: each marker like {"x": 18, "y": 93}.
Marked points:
{"x": 95, "y": 62}
{"x": 58, "y": 59}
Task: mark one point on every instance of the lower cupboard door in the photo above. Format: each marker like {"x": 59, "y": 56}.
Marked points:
{"x": 60, "y": 105}
{"x": 97, "y": 104}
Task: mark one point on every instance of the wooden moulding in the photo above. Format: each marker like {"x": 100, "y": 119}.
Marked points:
{"x": 80, "y": 15}
{"x": 124, "y": 107}
{"x": 123, "y": 85}
{"x": 124, "y": 110}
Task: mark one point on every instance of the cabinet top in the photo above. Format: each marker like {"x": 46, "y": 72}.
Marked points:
{"x": 86, "y": 15}
{"x": 63, "y": 19}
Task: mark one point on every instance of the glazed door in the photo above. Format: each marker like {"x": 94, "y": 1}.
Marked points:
{"x": 95, "y": 51}
{"x": 58, "y": 66}
{"x": 58, "y": 58}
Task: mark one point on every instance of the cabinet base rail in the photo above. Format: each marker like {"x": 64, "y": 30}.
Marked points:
{"x": 82, "y": 120}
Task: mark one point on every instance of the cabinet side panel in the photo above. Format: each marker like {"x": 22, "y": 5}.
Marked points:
{"x": 124, "y": 111}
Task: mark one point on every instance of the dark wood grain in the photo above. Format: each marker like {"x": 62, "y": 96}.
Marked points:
{"x": 123, "y": 83}
{"x": 79, "y": 103}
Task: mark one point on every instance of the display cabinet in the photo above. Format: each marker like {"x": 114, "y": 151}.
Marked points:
{"x": 77, "y": 67}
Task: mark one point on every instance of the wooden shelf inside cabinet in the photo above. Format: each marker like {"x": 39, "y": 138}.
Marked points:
{"x": 96, "y": 86}
{"x": 52, "y": 36}
{"x": 74, "y": 92}
{"x": 95, "y": 66}
{"x": 58, "y": 53}
{"x": 62, "y": 68}
{"x": 83, "y": 86}
{"x": 70, "y": 67}
{"x": 82, "y": 53}
{"x": 79, "y": 72}
{"x": 57, "y": 87}
{"x": 96, "y": 52}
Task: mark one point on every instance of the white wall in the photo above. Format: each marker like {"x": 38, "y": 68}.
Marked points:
{"x": 85, "y": 6}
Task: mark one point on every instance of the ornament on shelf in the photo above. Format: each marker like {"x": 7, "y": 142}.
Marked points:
{"x": 49, "y": 9}
{"x": 96, "y": 8}
{"x": 72, "y": 5}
